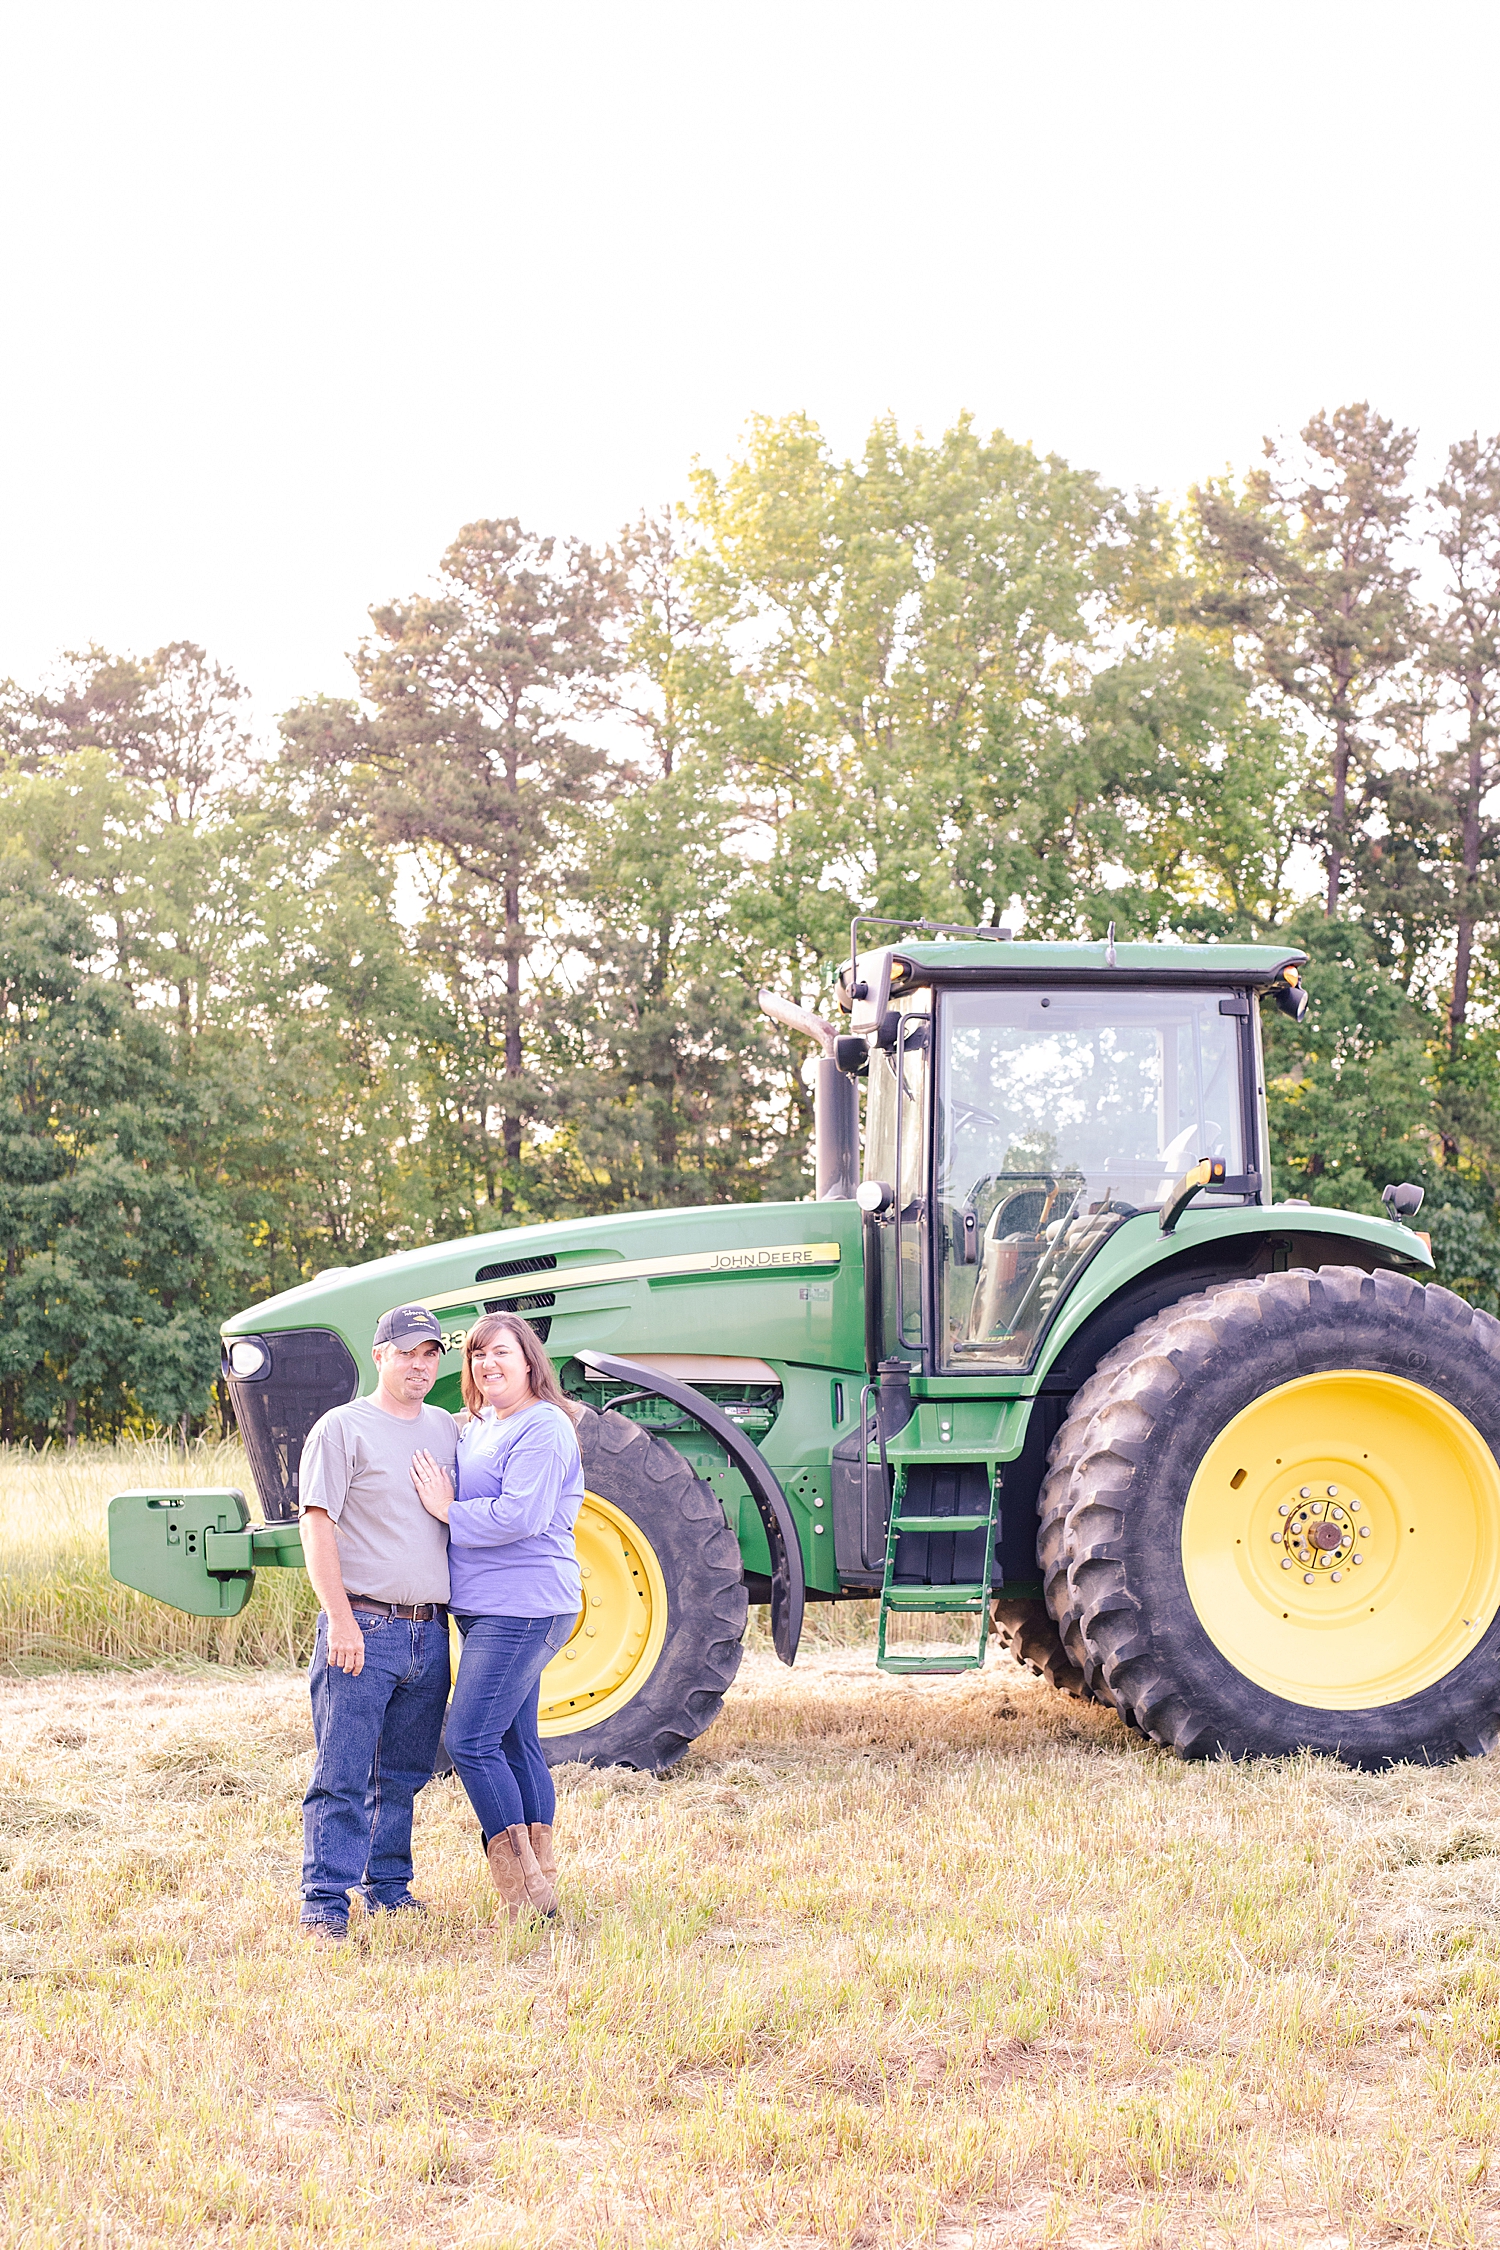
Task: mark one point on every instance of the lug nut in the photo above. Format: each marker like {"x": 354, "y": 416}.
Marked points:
{"x": 1283, "y": 1510}
{"x": 1364, "y": 1531}
{"x": 1337, "y": 1577}
{"x": 1307, "y": 1578}
{"x": 1356, "y": 1560}
{"x": 1333, "y": 1492}
{"x": 1287, "y": 1564}
{"x": 1354, "y": 1504}
{"x": 1306, "y": 1492}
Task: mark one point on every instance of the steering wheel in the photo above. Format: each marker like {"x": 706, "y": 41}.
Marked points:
{"x": 964, "y": 1114}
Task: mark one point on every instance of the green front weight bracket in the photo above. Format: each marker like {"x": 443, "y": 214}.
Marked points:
{"x": 196, "y": 1551}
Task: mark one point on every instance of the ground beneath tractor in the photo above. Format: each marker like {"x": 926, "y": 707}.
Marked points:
{"x": 883, "y": 1961}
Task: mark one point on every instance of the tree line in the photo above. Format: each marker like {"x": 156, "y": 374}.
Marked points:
{"x": 480, "y": 944}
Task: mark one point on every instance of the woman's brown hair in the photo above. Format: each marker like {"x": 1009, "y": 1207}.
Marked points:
{"x": 541, "y": 1373}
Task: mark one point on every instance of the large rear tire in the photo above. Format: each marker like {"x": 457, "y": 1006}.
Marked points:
{"x": 660, "y": 1634}
{"x": 1025, "y": 1629}
{"x": 1282, "y": 1528}
{"x": 1031, "y": 1630}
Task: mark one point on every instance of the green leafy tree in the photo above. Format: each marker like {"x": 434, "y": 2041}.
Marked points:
{"x": 665, "y": 1073}
{"x": 313, "y": 1064}
{"x": 113, "y": 1253}
{"x": 1349, "y": 1088}
{"x": 141, "y": 780}
{"x": 1306, "y": 568}
{"x": 1178, "y": 810}
{"x": 888, "y": 628}
{"x": 886, "y": 685}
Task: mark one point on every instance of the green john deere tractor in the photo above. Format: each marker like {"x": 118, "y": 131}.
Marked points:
{"x": 1051, "y": 1360}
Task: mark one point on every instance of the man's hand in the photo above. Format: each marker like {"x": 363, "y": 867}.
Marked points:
{"x": 320, "y": 1549}
{"x": 434, "y": 1485}
{"x": 346, "y": 1644}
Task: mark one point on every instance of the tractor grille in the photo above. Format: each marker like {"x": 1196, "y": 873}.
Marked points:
{"x": 528, "y": 1307}
{"x": 308, "y": 1370}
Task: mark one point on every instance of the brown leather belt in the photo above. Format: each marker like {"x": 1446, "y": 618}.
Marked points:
{"x": 420, "y": 1611}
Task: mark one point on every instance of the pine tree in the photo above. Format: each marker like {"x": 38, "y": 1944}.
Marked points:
{"x": 475, "y": 754}
{"x": 1306, "y": 568}
{"x": 1464, "y": 649}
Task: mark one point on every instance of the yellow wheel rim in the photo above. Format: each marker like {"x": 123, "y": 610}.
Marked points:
{"x": 621, "y": 1627}
{"x": 1341, "y": 1540}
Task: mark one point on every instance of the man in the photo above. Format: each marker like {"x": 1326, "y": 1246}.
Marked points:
{"x": 379, "y": 1678}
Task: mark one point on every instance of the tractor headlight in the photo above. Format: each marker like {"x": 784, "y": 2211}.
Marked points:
{"x": 249, "y": 1358}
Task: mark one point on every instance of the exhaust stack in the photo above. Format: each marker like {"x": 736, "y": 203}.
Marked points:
{"x": 835, "y": 1102}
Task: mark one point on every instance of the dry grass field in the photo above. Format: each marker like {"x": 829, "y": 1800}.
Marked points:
{"x": 60, "y": 1607}
{"x": 883, "y": 1962}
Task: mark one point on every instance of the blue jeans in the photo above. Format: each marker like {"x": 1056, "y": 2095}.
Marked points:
{"x": 377, "y": 1734}
{"x": 492, "y": 1737}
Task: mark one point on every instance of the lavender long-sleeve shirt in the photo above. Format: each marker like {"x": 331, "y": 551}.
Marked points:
{"x": 510, "y": 1530}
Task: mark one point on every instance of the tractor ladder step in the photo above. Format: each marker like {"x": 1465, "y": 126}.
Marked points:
{"x": 937, "y": 1598}
{"x": 945, "y": 1523}
{"x": 961, "y": 1660}
{"x": 966, "y": 1599}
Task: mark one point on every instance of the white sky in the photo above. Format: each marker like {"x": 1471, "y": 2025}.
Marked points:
{"x": 291, "y": 291}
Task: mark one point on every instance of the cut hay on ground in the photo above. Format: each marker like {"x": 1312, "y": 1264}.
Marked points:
{"x": 883, "y": 1962}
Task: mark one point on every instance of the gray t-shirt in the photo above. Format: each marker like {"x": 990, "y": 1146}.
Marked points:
{"x": 356, "y": 1463}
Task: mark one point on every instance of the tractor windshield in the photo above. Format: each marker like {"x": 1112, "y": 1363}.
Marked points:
{"x": 1058, "y": 1116}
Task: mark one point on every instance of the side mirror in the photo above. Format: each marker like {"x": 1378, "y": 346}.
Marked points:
{"x": 875, "y": 1196}
{"x": 852, "y": 1054}
{"x": 1403, "y": 1202}
{"x": 871, "y": 996}
{"x": 1291, "y": 996}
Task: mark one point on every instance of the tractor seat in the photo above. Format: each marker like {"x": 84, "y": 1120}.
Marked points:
{"x": 1012, "y": 1246}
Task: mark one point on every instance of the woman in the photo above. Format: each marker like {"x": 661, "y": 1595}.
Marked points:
{"x": 516, "y": 1591}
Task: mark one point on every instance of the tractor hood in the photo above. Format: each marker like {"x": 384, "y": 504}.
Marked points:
{"x": 783, "y": 1280}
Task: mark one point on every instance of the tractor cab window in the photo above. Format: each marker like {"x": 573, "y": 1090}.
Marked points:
{"x": 1059, "y": 1115}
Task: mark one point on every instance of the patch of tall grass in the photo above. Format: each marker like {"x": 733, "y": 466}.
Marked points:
{"x": 61, "y": 1610}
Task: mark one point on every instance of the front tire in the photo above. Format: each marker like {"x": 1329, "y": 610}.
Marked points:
{"x": 1283, "y": 1522}
{"x": 660, "y": 1634}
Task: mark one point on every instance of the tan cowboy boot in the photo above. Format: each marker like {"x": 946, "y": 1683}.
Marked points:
{"x": 539, "y": 1885}
{"x": 506, "y": 1870}
{"x": 541, "y": 1845}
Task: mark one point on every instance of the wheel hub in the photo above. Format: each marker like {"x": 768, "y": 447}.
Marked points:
{"x": 1319, "y": 1530}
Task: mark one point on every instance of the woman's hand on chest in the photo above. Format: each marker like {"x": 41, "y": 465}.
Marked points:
{"x": 434, "y": 1484}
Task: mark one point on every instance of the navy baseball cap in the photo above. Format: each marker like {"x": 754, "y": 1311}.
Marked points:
{"x": 406, "y": 1326}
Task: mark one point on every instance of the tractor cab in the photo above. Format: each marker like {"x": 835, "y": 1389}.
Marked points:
{"x": 1026, "y": 1101}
